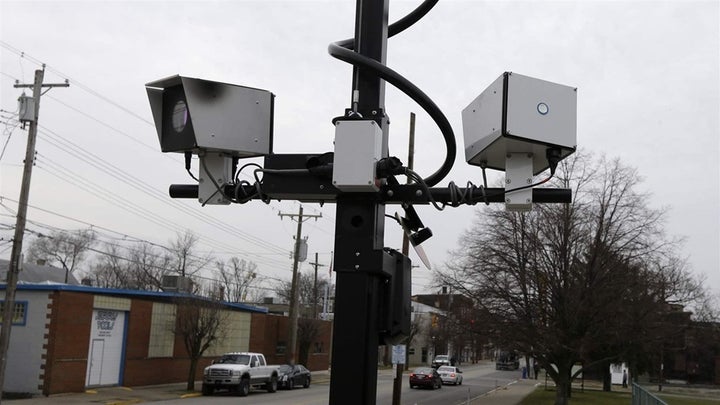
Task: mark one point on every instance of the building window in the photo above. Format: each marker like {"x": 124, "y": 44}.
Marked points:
{"x": 280, "y": 348}
{"x": 19, "y": 312}
{"x": 319, "y": 347}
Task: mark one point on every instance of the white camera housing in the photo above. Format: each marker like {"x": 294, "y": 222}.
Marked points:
{"x": 193, "y": 115}
{"x": 520, "y": 114}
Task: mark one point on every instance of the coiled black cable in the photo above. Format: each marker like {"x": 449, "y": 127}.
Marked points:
{"x": 344, "y": 50}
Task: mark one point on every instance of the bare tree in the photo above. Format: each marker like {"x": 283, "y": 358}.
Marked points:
{"x": 306, "y": 290}
{"x": 557, "y": 283}
{"x": 148, "y": 265}
{"x": 111, "y": 270}
{"x": 199, "y": 323}
{"x": 64, "y": 249}
{"x": 139, "y": 267}
{"x": 307, "y": 335}
{"x": 185, "y": 260}
{"x": 237, "y": 277}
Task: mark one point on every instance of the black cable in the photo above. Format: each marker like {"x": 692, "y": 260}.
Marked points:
{"x": 459, "y": 197}
{"x": 343, "y": 50}
{"x": 188, "y": 159}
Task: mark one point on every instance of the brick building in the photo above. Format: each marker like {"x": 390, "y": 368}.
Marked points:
{"x": 66, "y": 338}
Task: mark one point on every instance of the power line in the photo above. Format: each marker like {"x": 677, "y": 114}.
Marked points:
{"x": 210, "y": 269}
{"x": 62, "y": 141}
{"x": 121, "y": 175}
{"x": 76, "y": 83}
{"x": 262, "y": 261}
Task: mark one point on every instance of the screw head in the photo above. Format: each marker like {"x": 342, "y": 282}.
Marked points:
{"x": 507, "y": 200}
{"x": 508, "y": 181}
{"x": 390, "y": 193}
{"x": 418, "y": 193}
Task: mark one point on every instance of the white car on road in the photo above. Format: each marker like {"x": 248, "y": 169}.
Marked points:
{"x": 450, "y": 375}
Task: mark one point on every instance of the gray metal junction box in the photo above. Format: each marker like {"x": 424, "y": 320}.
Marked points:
{"x": 520, "y": 114}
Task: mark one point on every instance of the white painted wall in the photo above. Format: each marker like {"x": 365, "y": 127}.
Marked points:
{"x": 23, "y": 372}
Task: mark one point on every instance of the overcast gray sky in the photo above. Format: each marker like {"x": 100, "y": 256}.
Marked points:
{"x": 647, "y": 75}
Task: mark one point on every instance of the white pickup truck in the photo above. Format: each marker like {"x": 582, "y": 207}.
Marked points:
{"x": 238, "y": 372}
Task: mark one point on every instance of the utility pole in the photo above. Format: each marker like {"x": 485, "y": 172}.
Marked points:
{"x": 292, "y": 330}
{"x": 399, "y": 368}
{"x": 315, "y": 291}
{"x": 15, "y": 257}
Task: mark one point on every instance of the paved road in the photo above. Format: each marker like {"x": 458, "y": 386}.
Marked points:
{"x": 478, "y": 379}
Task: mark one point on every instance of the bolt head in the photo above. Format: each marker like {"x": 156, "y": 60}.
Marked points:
{"x": 418, "y": 193}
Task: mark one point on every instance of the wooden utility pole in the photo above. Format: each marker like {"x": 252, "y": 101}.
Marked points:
{"x": 16, "y": 255}
{"x": 292, "y": 330}
{"x": 399, "y": 368}
{"x": 315, "y": 291}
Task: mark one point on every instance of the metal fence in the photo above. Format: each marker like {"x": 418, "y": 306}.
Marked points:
{"x": 640, "y": 396}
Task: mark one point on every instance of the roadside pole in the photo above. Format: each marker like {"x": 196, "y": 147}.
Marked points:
{"x": 16, "y": 255}
{"x": 397, "y": 384}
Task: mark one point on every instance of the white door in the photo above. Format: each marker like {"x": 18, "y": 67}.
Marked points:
{"x": 94, "y": 373}
{"x": 107, "y": 339}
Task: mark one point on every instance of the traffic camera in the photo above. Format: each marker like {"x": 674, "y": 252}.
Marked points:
{"x": 217, "y": 121}
{"x": 520, "y": 125}
{"x": 193, "y": 115}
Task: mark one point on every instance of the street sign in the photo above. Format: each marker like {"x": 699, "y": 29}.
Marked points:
{"x": 398, "y": 354}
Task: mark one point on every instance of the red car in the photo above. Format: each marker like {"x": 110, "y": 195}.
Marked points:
{"x": 425, "y": 377}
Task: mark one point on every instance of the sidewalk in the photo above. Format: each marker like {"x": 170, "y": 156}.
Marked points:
{"x": 510, "y": 394}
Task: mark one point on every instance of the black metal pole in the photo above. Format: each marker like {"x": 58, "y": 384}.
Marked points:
{"x": 359, "y": 233}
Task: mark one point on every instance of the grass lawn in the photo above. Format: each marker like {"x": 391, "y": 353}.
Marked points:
{"x": 591, "y": 397}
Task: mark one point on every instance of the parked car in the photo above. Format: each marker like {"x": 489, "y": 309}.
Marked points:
{"x": 238, "y": 372}
{"x": 450, "y": 375}
{"x": 425, "y": 377}
{"x": 441, "y": 360}
{"x": 291, "y": 376}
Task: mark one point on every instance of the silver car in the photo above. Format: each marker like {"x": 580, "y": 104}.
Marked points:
{"x": 450, "y": 375}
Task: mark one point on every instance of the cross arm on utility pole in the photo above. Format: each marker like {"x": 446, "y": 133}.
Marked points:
{"x": 44, "y": 85}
